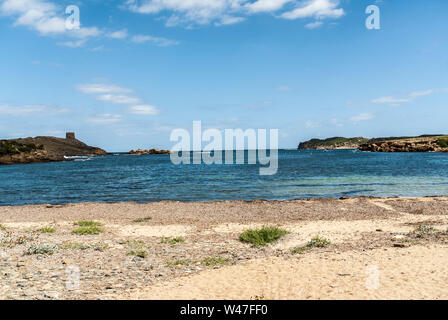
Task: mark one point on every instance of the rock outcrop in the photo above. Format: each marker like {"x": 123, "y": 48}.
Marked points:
{"x": 151, "y": 151}
{"x": 420, "y": 144}
{"x": 43, "y": 149}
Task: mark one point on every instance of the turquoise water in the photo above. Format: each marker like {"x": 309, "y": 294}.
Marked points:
{"x": 301, "y": 174}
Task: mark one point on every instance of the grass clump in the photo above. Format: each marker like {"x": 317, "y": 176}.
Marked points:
{"x": 316, "y": 242}
{"x": 138, "y": 253}
{"x": 140, "y": 220}
{"x": 423, "y": 230}
{"x": 177, "y": 263}
{"x": 172, "y": 241}
{"x": 135, "y": 244}
{"x": 74, "y": 246}
{"x": 263, "y": 236}
{"x": 47, "y": 230}
{"x": 2, "y": 227}
{"x": 87, "y": 228}
{"x": 215, "y": 261}
{"x": 46, "y": 249}
{"x": 82, "y": 246}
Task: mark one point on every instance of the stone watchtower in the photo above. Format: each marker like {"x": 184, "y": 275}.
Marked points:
{"x": 70, "y": 136}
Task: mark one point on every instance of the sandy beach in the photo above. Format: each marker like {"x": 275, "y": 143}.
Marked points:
{"x": 379, "y": 249}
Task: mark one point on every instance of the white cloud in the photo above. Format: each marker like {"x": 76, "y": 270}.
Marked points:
{"x": 102, "y": 88}
{"x": 121, "y": 34}
{"x": 266, "y": 5}
{"x": 411, "y": 97}
{"x": 146, "y": 110}
{"x": 362, "y": 117}
{"x": 224, "y": 12}
{"x": 104, "y": 119}
{"x": 73, "y": 44}
{"x": 314, "y": 25}
{"x": 161, "y": 42}
{"x": 283, "y": 88}
{"x": 118, "y": 99}
{"x": 312, "y": 124}
{"x": 30, "y": 110}
{"x": 319, "y": 9}
{"x": 43, "y": 16}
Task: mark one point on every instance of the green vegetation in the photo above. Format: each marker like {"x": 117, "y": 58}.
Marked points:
{"x": 172, "y": 241}
{"x": 47, "y": 249}
{"x": 215, "y": 261}
{"x": 139, "y": 253}
{"x": 84, "y": 223}
{"x": 263, "y": 236}
{"x": 10, "y": 147}
{"x": 135, "y": 244}
{"x": 74, "y": 246}
{"x": 423, "y": 230}
{"x": 177, "y": 263}
{"x": 316, "y": 242}
{"x": 140, "y": 220}
{"x": 2, "y": 227}
{"x": 83, "y": 246}
{"x": 47, "y": 230}
{"x": 443, "y": 142}
{"x": 88, "y": 228}
{"x": 336, "y": 142}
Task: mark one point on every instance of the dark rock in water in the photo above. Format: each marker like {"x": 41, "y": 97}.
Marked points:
{"x": 152, "y": 151}
{"x": 43, "y": 149}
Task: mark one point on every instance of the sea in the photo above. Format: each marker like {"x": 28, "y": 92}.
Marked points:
{"x": 301, "y": 174}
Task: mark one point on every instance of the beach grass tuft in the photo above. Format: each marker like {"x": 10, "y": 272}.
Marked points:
{"x": 172, "y": 241}
{"x": 423, "y": 230}
{"x": 263, "y": 236}
{"x": 47, "y": 230}
{"x": 140, "y": 220}
{"x": 2, "y": 227}
{"x": 138, "y": 253}
{"x": 46, "y": 249}
{"x": 215, "y": 261}
{"x": 135, "y": 244}
{"x": 316, "y": 242}
{"x": 82, "y": 246}
{"x": 87, "y": 228}
{"x": 177, "y": 263}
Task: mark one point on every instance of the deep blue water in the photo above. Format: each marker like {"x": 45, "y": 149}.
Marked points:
{"x": 301, "y": 174}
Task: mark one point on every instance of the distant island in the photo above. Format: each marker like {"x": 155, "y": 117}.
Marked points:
{"x": 151, "y": 151}
{"x": 424, "y": 143}
{"x": 44, "y": 149}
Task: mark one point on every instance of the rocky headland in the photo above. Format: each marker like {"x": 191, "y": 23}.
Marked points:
{"x": 44, "y": 149}
{"x": 424, "y": 143}
{"x": 333, "y": 143}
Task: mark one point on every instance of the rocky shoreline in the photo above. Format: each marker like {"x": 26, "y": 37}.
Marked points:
{"x": 44, "y": 149}
{"x": 425, "y": 143}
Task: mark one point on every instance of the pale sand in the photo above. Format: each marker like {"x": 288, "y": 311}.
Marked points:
{"x": 411, "y": 273}
{"x": 361, "y": 231}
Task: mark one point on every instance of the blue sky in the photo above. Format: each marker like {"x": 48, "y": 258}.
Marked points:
{"x": 136, "y": 70}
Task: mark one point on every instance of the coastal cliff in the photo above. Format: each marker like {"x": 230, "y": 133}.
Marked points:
{"x": 424, "y": 143}
{"x": 44, "y": 149}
